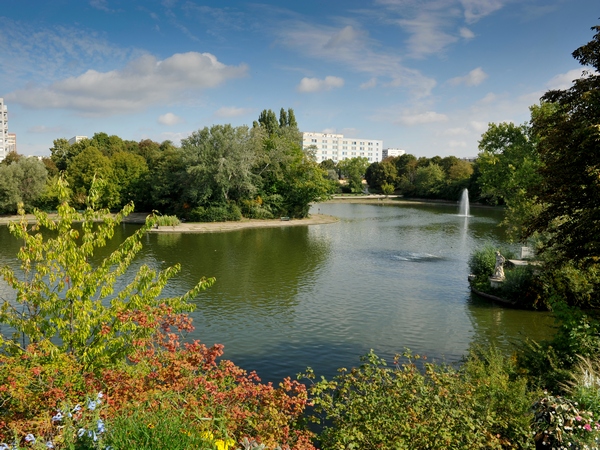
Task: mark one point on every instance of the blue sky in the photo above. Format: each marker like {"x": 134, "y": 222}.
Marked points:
{"x": 426, "y": 76}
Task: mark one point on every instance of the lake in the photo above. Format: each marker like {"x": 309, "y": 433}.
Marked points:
{"x": 385, "y": 277}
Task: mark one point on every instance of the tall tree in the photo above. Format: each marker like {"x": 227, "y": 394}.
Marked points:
{"x": 221, "y": 159}
{"x": 23, "y": 182}
{"x": 508, "y": 167}
{"x": 569, "y": 149}
{"x": 353, "y": 169}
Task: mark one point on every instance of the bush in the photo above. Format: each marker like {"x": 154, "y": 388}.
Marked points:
{"x": 256, "y": 209}
{"x": 523, "y": 287}
{"x": 216, "y": 213}
{"x": 164, "y": 221}
{"x": 560, "y": 422}
{"x": 549, "y": 363}
{"x": 482, "y": 405}
{"x": 483, "y": 261}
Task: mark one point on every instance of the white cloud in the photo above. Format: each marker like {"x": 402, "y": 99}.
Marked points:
{"x": 457, "y": 144}
{"x": 475, "y": 10}
{"x": 564, "y": 80}
{"x": 369, "y": 84}
{"x": 143, "y": 82}
{"x": 232, "y": 111}
{"x": 420, "y": 118}
{"x": 42, "y": 55}
{"x": 353, "y": 48}
{"x": 317, "y": 85}
{"x": 455, "y": 131}
{"x": 40, "y": 129}
{"x": 478, "y": 126}
{"x": 466, "y": 33}
{"x": 474, "y": 78}
{"x": 490, "y": 97}
{"x": 169, "y": 119}
{"x": 427, "y": 34}
{"x": 101, "y": 5}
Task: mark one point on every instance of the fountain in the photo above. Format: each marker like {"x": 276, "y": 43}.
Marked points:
{"x": 463, "y": 207}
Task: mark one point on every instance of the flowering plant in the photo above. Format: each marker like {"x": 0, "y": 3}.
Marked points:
{"x": 558, "y": 423}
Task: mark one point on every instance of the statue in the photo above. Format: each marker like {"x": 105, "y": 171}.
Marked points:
{"x": 499, "y": 269}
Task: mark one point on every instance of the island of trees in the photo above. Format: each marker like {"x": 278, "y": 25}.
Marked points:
{"x": 87, "y": 367}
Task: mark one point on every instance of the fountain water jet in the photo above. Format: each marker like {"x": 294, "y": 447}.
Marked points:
{"x": 463, "y": 207}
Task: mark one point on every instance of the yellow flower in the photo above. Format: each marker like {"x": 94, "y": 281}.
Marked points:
{"x": 224, "y": 445}
{"x": 207, "y": 435}
{"x": 150, "y": 425}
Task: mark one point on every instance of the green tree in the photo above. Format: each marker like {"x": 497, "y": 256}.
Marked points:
{"x": 130, "y": 176}
{"x": 220, "y": 162}
{"x": 429, "y": 180}
{"x": 268, "y": 120}
{"x": 23, "y": 181}
{"x": 381, "y": 173}
{"x": 353, "y": 169}
{"x": 569, "y": 188}
{"x": 90, "y": 165}
{"x": 68, "y": 302}
{"x": 62, "y": 153}
{"x": 508, "y": 167}
{"x": 304, "y": 182}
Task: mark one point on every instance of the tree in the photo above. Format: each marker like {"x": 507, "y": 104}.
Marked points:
{"x": 569, "y": 188}
{"x": 23, "y": 181}
{"x": 508, "y": 167}
{"x": 85, "y": 168}
{"x": 353, "y": 169}
{"x": 381, "y": 173}
{"x": 220, "y": 162}
{"x": 69, "y": 303}
{"x": 61, "y": 153}
{"x": 429, "y": 180}
{"x": 130, "y": 176}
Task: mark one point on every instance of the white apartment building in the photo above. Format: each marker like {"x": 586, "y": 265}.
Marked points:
{"x": 3, "y": 130}
{"x": 11, "y": 142}
{"x": 337, "y": 148}
{"x": 75, "y": 139}
{"x": 392, "y": 152}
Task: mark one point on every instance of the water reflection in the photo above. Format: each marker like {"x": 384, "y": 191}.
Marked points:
{"x": 385, "y": 277}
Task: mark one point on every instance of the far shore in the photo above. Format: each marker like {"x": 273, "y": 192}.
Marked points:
{"x": 215, "y": 227}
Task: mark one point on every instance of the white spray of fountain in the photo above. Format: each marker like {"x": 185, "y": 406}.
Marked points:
{"x": 463, "y": 207}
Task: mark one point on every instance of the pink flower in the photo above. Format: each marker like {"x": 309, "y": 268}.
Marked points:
{"x": 587, "y": 427}
{"x": 578, "y": 418}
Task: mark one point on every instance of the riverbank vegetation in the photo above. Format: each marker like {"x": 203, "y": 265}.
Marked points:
{"x": 87, "y": 366}
{"x": 218, "y": 173}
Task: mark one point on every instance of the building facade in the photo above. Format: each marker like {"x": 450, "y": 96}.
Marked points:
{"x": 337, "y": 148}
{"x": 392, "y": 152}
{"x": 76, "y": 139}
{"x": 11, "y": 143}
{"x": 3, "y": 129}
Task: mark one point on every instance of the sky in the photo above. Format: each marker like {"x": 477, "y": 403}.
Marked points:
{"x": 426, "y": 76}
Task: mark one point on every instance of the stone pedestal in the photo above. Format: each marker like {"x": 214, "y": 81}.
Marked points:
{"x": 496, "y": 282}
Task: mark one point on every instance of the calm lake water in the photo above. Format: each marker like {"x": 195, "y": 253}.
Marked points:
{"x": 385, "y": 277}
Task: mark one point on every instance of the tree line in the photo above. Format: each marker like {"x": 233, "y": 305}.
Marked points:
{"x": 218, "y": 173}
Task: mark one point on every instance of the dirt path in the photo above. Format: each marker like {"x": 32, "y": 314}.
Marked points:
{"x": 210, "y": 227}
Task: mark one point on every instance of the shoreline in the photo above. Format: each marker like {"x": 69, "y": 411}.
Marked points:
{"x": 216, "y": 227}
{"x": 208, "y": 227}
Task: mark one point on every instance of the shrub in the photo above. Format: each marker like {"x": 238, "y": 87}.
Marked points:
{"x": 68, "y": 302}
{"x": 584, "y": 385}
{"x": 483, "y": 405}
{"x": 523, "y": 286}
{"x": 549, "y": 362}
{"x": 216, "y": 213}
{"x": 255, "y": 209}
{"x": 558, "y": 421}
{"x": 164, "y": 221}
